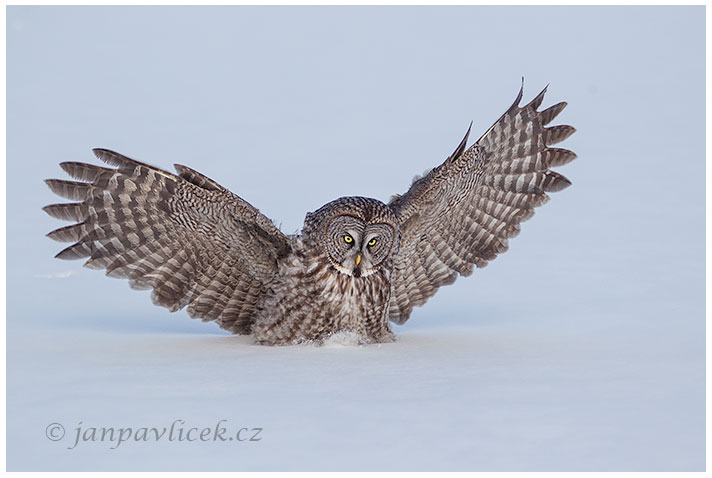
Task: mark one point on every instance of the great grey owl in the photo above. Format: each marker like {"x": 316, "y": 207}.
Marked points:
{"x": 358, "y": 262}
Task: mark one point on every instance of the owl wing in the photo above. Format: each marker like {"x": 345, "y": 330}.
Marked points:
{"x": 189, "y": 239}
{"x": 463, "y": 212}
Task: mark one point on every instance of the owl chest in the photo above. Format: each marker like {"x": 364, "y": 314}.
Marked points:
{"x": 353, "y": 304}
{"x": 349, "y": 300}
{"x": 313, "y": 301}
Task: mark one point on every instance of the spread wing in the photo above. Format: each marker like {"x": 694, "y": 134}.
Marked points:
{"x": 186, "y": 237}
{"x": 463, "y": 212}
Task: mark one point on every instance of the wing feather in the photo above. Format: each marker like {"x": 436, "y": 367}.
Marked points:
{"x": 462, "y": 214}
{"x": 186, "y": 237}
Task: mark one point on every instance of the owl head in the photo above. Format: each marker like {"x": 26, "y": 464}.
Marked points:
{"x": 358, "y": 235}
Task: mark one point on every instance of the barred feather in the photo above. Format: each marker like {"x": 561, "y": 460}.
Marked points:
{"x": 463, "y": 213}
{"x": 547, "y": 116}
{"x": 557, "y": 134}
{"x": 76, "y": 191}
{"x": 187, "y": 238}
{"x": 68, "y": 212}
{"x": 198, "y": 179}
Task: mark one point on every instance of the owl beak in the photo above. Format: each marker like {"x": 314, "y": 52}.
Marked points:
{"x": 358, "y": 258}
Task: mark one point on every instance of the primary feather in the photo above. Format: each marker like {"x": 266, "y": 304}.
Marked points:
{"x": 462, "y": 213}
{"x": 186, "y": 237}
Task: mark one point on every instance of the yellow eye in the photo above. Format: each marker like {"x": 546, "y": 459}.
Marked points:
{"x": 348, "y": 239}
{"x": 372, "y": 242}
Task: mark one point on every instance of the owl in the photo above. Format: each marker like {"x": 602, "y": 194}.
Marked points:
{"x": 358, "y": 263}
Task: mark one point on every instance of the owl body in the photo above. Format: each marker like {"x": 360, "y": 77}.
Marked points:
{"x": 358, "y": 263}
{"x": 311, "y": 300}
{"x": 336, "y": 278}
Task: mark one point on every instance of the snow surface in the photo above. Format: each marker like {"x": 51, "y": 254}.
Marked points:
{"x": 513, "y": 390}
{"x": 581, "y": 348}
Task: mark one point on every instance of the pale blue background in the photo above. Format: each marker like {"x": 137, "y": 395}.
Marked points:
{"x": 582, "y": 348}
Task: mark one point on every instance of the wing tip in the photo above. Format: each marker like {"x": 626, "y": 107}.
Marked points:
{"x": 556, "y": 182}
{"x": 557, "y": 134}
{"x": 53, "y": 210}
{"x": 538, "y": 99}
{"x": 461, "y": 148}
{"x": 112, "y": 157}
{"x": 518, "y": 100}
{"x": 75, "y": 251}
{"x": 102, "y": 153}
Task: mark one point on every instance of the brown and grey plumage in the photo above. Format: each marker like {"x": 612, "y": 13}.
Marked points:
{"x": 357, "y": 263}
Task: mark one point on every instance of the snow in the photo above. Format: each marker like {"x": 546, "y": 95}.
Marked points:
{"x": 540, "y": 391}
